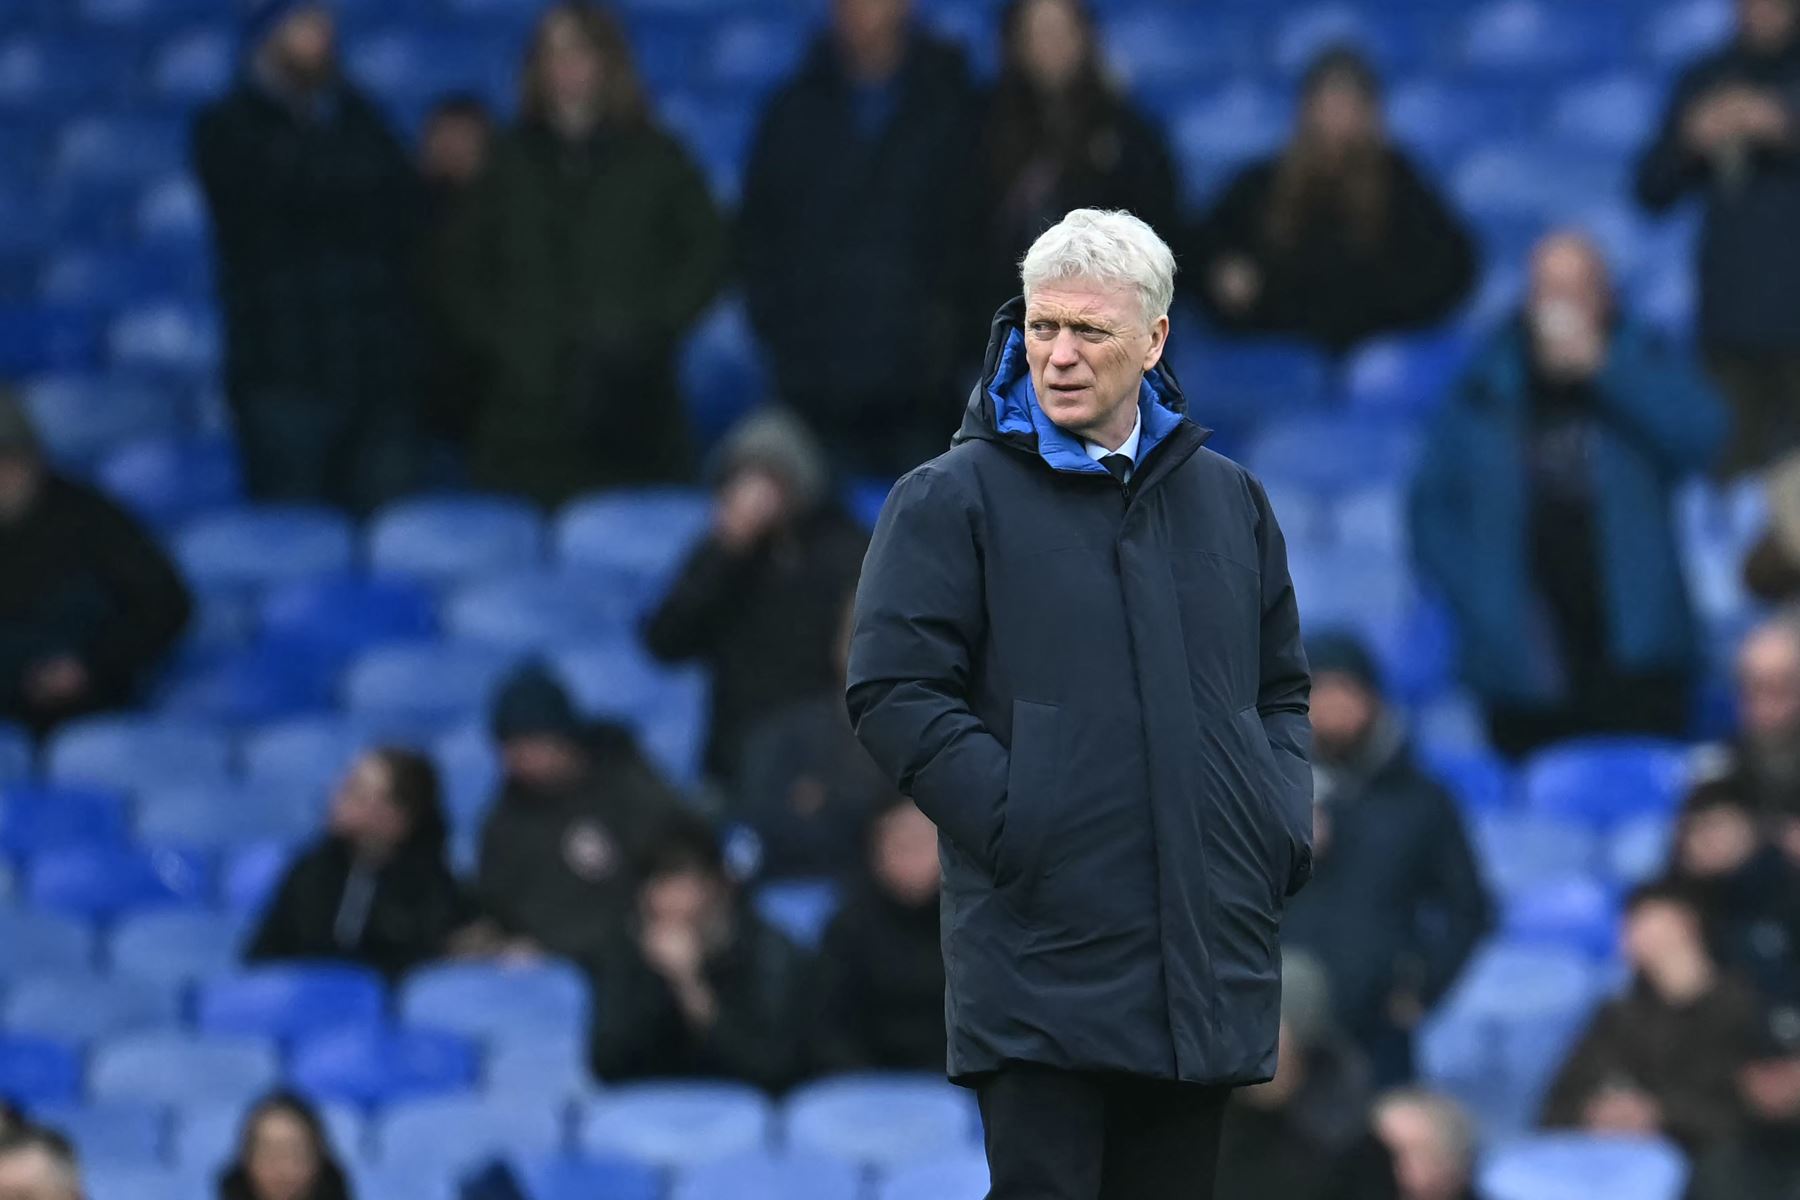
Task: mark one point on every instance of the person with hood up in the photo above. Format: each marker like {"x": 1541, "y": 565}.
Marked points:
{"x": 1077, "y": 649}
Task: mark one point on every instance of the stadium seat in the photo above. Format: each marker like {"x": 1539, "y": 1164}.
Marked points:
{"x": 170, "y": 479}
{"x": 677, "y": 1124}
{"x": 1603, "y": 781}
{"x": 179, "y": 337}
{"x": 1438, "y": 116}
{"x": 38, "y": 339}
{"x": 206, "y": 1137}
{"x": 469, "y": 771}
{"x": 497, "y": 1002}
{"x": 548, "y": 1067}
{"x": 770, "y": 1177}
{"x": 1532, "y": 181}
{"x": 1482, "y": 783}
{"x": 248, "y": 685}
{"x": 16, "y": 753}
{"x": 459, "y": 1133}
{"x": 455, "y": 538}
{"x": 1579, "y": 911}
{"x": 372, "y": 1178}
{"x": 334, "y": 618}
{"x": 260, "y": 547}
{"x": 1372, "y": 518}
{"x": 1679, "y": 31}
{"x": 194, "y": 66}
{"x": 383, "y": 1066}
{"x": 1615, "y": 113}
{"x": 36, "y": 818}
{"x": 1637, "y": 851}
{"x": 584, "y": 1178}
{"x": 756, "y": 51}
{"x": 35, "y": 1070}
{"x": 62, "y": 71}
{"x": 132, "y": 752}
{"x": 291, "y": 1001}
{"x": 666, "y": 707}
{"x": 722, "y": 373}
{"x": 41, "y": 942}
{"x": 85, "y": 1007}
{"x": 1332, "y": 453}
{"x": 1158, "y": 48}
{"x": 421, "y": 63}
{"x": 799, "y": 908}
{"x": 1520, "y": 37}
{"x": 176, "y": 947}
{"x": 128, "y": 1182}
{"x": 881, "y": 1121}
{"x": 101, "y": 882}
{"x": 1304, "y": 34}
{"x": 172, "y": 211}
{"x": 1519, "y": 850}
{"x": 304, "y": 756}
{"x": 963, "y": 1177}
{"x": 117, "y": 1134}
{"x": 81, "y": 416}
{"x": 120, "y": 148}
{"x": 532, "y": 612}
{"x": 1216, "y": 134}
{"x": 250, "y": 876}
{"x": 1571, "y": 1166}
{"x": 641, "y": 537}
{"x": 1404, "y": 376}
{"x": 427, "y": 683}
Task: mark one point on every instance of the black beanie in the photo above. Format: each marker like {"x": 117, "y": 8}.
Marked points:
{"x": 533, "y": 703}
{"x": 1340, "y": 653}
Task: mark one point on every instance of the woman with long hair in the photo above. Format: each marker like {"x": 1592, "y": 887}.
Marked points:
{"x": 284, "y": 1154}
{"x": 1338, "y": 238}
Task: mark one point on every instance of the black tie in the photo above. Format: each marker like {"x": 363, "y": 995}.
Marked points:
{"x": 1119, "y": 465}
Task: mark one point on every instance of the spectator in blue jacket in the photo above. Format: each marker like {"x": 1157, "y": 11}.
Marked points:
{"x": 1541, "y": 512}
{"x": 1396, "y": 905}
{"x": 1732, "y": 137}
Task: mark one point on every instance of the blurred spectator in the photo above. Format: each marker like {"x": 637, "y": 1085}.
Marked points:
{"x": 1772, "y": 568}
{"x": 857, "y": 215}
{"x": 1730, "y": 137}
{"x": 1541, "y": 512}
{"x": 36, "y": 1164}
{"x": 1396, "y": 904}
{"x": 453, "y": 152}
{"x": 1338, "y": 238}
{"x": 1763, "y": 764}
{"x": 1746, "y": 879}
{"x": 1304, "y": 1134}
{"x": 1661, "y": 1058}
{"x": 376, "y": 889}
{"x": 89, "y": 603}
{"x": 1764, "y": 1162}
{"x": 315, "y": 211}
{"x": 284, "y": 1154}
{"x": 883, "y": 987}
{"x": 454, "y": 146}
{"x": 1432, "y": 1142}
{"x": 759, "y": 601}
{"x": 1059, "y": 135}
{"x": 574, "y": 811}
{"x": 698, "y": 985}
{"x": 807, "y": 787}
{"x": 584, "y": 254}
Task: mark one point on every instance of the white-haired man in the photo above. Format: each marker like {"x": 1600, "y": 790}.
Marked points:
{"x": 1077, "y": 649}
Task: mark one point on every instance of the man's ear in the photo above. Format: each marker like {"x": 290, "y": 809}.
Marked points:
{"x": 1159, "y": 341}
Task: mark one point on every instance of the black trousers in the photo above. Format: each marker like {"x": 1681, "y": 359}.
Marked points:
{"x": 1068, "y": 1135}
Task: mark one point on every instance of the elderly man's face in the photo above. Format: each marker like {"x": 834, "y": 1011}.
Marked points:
{"x": 1088, "y": 347}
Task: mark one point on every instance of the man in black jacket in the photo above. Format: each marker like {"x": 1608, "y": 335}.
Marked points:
{"x": 89, "y": 603}
{"x": 1732, "y": 135}
{"x": 1396, "y": 905}
{"x": 1077, "y": 649}
{"x": 1763, "y": 1163}
{"x": 315, "y": 208}
{"x": 858, "y": 203}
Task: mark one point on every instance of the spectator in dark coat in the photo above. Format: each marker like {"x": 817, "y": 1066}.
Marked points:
{"x": 698, "y": 984}
{"x": 284, "y": 1154}
{"x": 454, "y": 151}
{"x": 377, "y": 888}
{"x": 583, "y": 256}
{"x": 1432, "y": 1142}
{"x": 1339, "y": 238}
{"x": 1764, "y": 1162}
{"x": 1077, "y": 649}
{"x": 89, "y": 603}
{"x": 574, "y": 812}
{"x": 759, "y": 600}
{"x": 882, "y": 990}
{"x": 1541, "y": 512}
{"x": 1744, "y": 873}
{"x": 1396, "y": 905}
{"x": 1661, "y": 1059}
{"x": 315, "y": 211}
{"x": 856, "y": 220}
{"x": 1730, "y": 138}
{"x": 1058, "y": 135}
{"x": 1762, "y": 764}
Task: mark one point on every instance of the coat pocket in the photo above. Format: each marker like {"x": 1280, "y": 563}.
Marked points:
{"x": 1033, "y": 781}
{"x": 1271, "y": 805}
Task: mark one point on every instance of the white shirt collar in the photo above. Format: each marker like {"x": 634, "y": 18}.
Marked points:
{"x": 1129, "y": 448}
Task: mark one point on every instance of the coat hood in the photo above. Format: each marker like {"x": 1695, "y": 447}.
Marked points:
{"x": 1004, "y": 408}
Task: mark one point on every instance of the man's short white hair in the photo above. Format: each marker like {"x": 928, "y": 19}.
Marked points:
{"x": 1113, "y": 249}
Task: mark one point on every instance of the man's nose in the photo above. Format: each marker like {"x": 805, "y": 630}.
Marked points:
{"x": 1063, "y": 351}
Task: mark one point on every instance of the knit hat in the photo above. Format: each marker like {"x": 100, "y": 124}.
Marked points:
{"x": 780, "y": 443}
{"x": 17, "y": 436}
{"x": 262, "y": 17}
{"x": 533, "y": 702}
{"x": 1337, "y": 652}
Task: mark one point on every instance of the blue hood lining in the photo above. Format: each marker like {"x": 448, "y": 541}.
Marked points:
{"x": 1016, "y": 411}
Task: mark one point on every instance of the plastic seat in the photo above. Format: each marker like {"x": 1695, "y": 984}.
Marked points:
{"x": 1404, "y": 376}
{"x": 1681, "y": 30}
{"x": 1522, "y": 36}
{"x": 128, "y": 753}
{"x": 181, "y": 337}
{"x": 964, "y": 1177}
{"x": 79, "y": 416}
{"x": 1335, "y": 453}
{"x": 425, "y": 682}
{"x": 251, "y": 875}
{"x": 105, "y": 882}
{"x": 39, "y": 339}
{"x": 34, "y": 819}
{"x": 36, "y": 1070}
{"x": 422, "y": 63}
{"x": 383, "y": 1066}
{"x": 43, "y": 942}
{"x": 126, "y": 1182}
{"x": 291, "y": 1000}
{"x": 498, "y": 1002}
{"x": 677, "y": 1124}
{"x": 460, "y": 1133}
{"x": 882, "y": 1121}
{"x": 16, "y": 753}
{"x": 666, "y": 708}
{"x": 260, "y": 547}
{"x": 1579, "y": 911}
{"x": 771, "y": 1177}
{"x": 1571, "y": 1166}
{"x": 1533, "y": 181}
{"x": 469, "y": 771}
{"x": 172, "y": 211}
{"x": 1305, "y": 34}
{"x": 549, "y": 1067}
{"x": 1217, "y": 133}
{"x": 248, "y": 685}
{"x": 1481, "y": 783}
{"x": 214, "y": 818}
{"x": 584, "y": 1178}
{"x": 206, "y": 1136}
{"x": 722, "y": 373}
{"x": 176, "y": 947}
{"x": 455, "y": 538}
{"x": 59, "y": 72}
{"x": 800, "y": 908}
{"x": 1638, "y": 849}
{"x": 302, "y": 756}
{"x": 332, "y": 619}
{"x": 1520, "y": 850}
{"x": 194, "y": 66}
{"x": 1155, "y": 47}
{"x": 121, "y": 1133}
{"x": 641, "y": 536}
{"x": 1603, "y": 781}
{"x": 756, "y": 51}
{"x": 168, "y": 480}
{"x": 1373, "y": 519}
{"x": 537, "y": 611}
{"x": 1439, "y": 116}
{"x": 1618, "y": 113}
{"x": 85, "y": 1007}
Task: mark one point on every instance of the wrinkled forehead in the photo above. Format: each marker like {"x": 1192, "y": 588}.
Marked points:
{"x": 1088, "y": 301}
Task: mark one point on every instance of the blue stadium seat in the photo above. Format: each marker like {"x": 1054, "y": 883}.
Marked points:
{"x": 383, "y": 1066}
{"x": 1617, "y": 113}
{"x": 305, "y": 756}
{"x": 131, "y": 752}
{"x": 16, "y": 753}
{"x": 36, "y": 1070}
{"x": 571, "y": 1178}
{"x": 172, "y": 336}
{"x": 117, "y": 1134}
{"x": 333, "y": 618}
{"x": 251, "y": 875}
{"x": 1603, "y": 781}
{"x": 498, "y": 1002}
{"x": 35, "y": 818}
{"x": 964, "y": 1177}
{"x": 260, "y": 547}
{"x": 723, "y": 376}
{"x": 1679, "y": 31}
{"x": 81, "y": 416}
{"x": 62, "y": 71}
{"x": 1524, "y": 36}
{"x": 460, "y": 1133}
{"x": 1533, "y": 181}
{"x": 139, "y": 16}
{"x": 756, "y": 51}
{"x": 1638, "y": 849}
{"x": 194, "y": 65}
{"x": 246, "y": 686}
{"x": 1159, "y": 48}
{"x": 127, "y": 1182}
{"x": 1572, "y": 1166}
{"x": 424, "y": 682}
{"x": 1373, "y": 519}
{"x": 291, "y": 1000}
{"x": 771, "y": 1177}
{"x": 172, "y": 211}
{"x": 455, "y": 538}
{"x": 85, "y": 1007}
{"x": 103, "y": 882}
{"x": 469, "y": 771}
{"x": 882, "y": 1121}
{"x": 1579, "y": 911}
{"x": 1347, "y": 587}
{"x": 424, "y": 62}
{"x": 168, "y": 480}
{"x": 1388, "y": 39}
{"x": 1518, "y": 851}
{"x": 43, "y": 942}
{"x": 206, "y": 1136}
{"x": 666, "y": 708}
{"x": 866, "y": 498}
{"x": 1438, "y": 116}
{"x": 800, "y": 908}
{"x": 677, "y": 1124}
{"x": 1481, "y": 782}
{"x": 1334, "y": 453}
{"x": 551, "y": 1067}
{"x": 641, "y": 536}
{"x": 121, "y": 148}
{"x": 220, "y": 818}
{"x": 536, "y": 611}
{"x": 1406, "y": 375}
{"x": 1246, "y": 383}
{"x": 176, "y": 947}
{"x": 47, "y": 339}
{"x": 1216, "y": 134}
